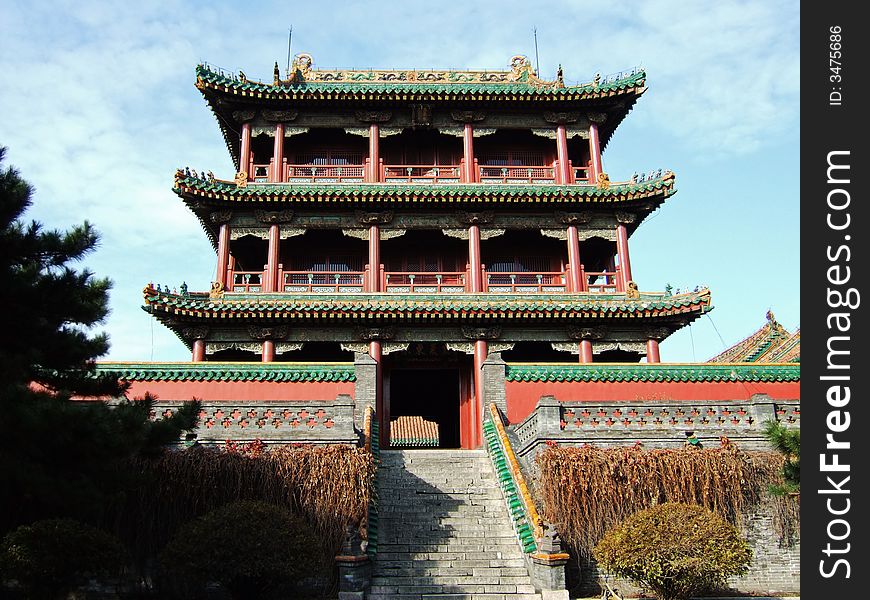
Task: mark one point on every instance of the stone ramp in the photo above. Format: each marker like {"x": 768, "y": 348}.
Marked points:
{"x": 444, "y": 531}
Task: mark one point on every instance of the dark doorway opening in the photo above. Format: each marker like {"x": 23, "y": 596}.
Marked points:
{"x": 429, "y": 393}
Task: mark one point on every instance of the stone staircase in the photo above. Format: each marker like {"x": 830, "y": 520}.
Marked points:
{"x": 444, "y": 530}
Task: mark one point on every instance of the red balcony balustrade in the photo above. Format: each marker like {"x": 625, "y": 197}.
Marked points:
{"x": 410, "y": 282}
{"x": 248, "y": 281}
{"x": 530, "y": 174}
{"x": 321, "y": 282}
{"x": 259, "y": 173}
{"x": 580, "y": 174}
{"x": 325, "y": 173}
{"x": 604, "y": 282}
{"x": 504, "y": 282}
{"x": 421, "y": 173}
{"x": 424, "y": 283}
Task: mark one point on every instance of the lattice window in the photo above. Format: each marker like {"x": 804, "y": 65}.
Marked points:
{"x": 329, "y": 264}
{"x": 520, "y": 264}
{"x": 512, "y": 158}
{"x": 329, "y": 156}
{"x": 423, "y": 264}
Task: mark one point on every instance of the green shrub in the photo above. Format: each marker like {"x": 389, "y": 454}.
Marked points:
{"x": 251, "y": 548}
{"x": 50, "y": 558}
{"x": 675, "y": 550}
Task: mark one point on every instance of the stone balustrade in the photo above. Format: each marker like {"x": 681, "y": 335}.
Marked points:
{"x": 653, "y": 423}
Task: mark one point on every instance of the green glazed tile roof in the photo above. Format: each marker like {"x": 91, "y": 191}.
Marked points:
{"x": 189, "y": 186}
{"x": 421, "y": 307}
{"x": 641, "y": 372}
{"x": 771, "y": 343}
{"x": 362, "y": 85}
{"x": 222, "y": 371}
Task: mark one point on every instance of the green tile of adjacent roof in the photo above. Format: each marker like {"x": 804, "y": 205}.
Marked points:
{"x": 335, "y": 90}
{"x": 358, "y": 193}
{"x": 771, "y": 343}
{"x": 663, "y": 372}
{"x": 415, "y": 306}
{"x": 222, "y": 371}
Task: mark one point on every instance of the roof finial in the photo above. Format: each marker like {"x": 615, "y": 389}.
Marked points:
{"x": 277, "y": 74}
{"x": 770, "y": 318}
{"x": 560, "y": 80}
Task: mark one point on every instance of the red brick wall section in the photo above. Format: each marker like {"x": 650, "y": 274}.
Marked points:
{"x": 241, "y": 391}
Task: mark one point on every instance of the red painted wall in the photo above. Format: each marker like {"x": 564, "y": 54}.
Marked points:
{"x": 523, "y": 396}
{"x": 242, "y": 390}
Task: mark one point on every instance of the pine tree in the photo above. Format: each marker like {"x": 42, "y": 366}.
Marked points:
{"x": 786, "y": 441}
{"x": 60, "y": 457}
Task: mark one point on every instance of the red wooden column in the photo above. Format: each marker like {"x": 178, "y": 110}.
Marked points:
{"x": 223, "y": 254}
{"x": 477, "y": 408}
{"x": 245, "y": 150}
{"x": 564, "y": 175}
{"x": 470, "y": 175}
{"x": 594, "y": 153}
{"x": 374, "y": 174}
{"x": 277, "y": 175}
{"x": 271, "y": 283}
{"x": 577, "y": 283}
{"x": 374, "y": 258}
{"x": 380, "y": 409}
{"x": 622, "y": 252}
{"x": 476, "y": 283}
{"x": 198, "y": 350}
{"x": 586, "y": 351}
{"x": 231, "y": 267}
{"x": 652, "y": 351}
{"x": 268, "y": 351}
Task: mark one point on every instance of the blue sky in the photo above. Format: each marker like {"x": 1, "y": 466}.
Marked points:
{"x": 98, "y": 109}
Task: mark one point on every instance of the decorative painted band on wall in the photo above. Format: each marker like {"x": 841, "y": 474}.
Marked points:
{"x": 221, "y": 371}
{"x": 693, "y": 373}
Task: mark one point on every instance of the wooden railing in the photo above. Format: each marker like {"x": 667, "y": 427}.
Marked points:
{"x": 517, "y": 174}
{"x": 421, "y": 173}
{"x": 605, "y": 282}
{"x": 321, "y": 282}
{"x": 259, "y": 172}
{"x": 247, "y": 281}
{"x": 413, "y": 282}
{"x": 580, "y": 175}
{"x": 511, "y": 283}
{"x": 324, "y": 173}
{"x": 423, "y": 283}
{"x": 430, "y": 174}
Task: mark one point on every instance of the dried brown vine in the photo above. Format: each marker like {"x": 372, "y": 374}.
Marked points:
{"x": 586, "y": 491}
{"x": 329, "y": 486}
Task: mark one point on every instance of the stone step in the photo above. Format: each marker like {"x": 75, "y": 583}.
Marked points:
{"x": 452, "y": 596}
{"x": 444, "y": 531}
{"x": 469, "y": 587}
{"x": 491, "y": 579}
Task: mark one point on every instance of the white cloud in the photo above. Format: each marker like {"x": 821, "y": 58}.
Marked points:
{"x": 99, "y": 108}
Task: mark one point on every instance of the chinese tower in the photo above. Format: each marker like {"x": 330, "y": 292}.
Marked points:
{"x": 436, "y": 264}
